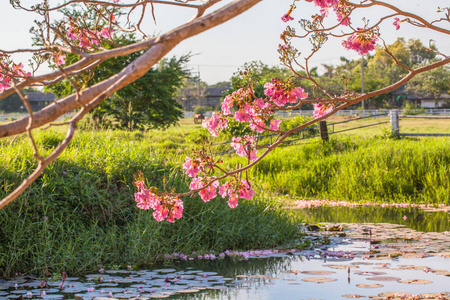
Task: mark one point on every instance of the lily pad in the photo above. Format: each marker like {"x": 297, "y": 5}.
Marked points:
{"x": 384, "y": 278}
{"x": 341, "y": 267}
{"x": 441, "y": 272}
{"x": 260, "y": 276}
{"x": 430, "y": 296}
{"x": 165, "y": 271}
{"x": 369, "y": 273}
{"x": 361, "y": 263}
{"x": 189, "y": 291}
{"x": 415, "y": 281}
{"x": 318, "y": 272}
{"x": 395, "y": 294}
{"x": 369, "y": 286}
{"x": 318, "y": 279}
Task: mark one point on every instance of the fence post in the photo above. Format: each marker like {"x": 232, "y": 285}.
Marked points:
{"x": 394, "y": 122}
{"x": 323, "y": 130}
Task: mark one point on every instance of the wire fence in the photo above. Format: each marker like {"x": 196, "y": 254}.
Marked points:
{"x": 306, "y": 135}
{"x": 396, "y": 125}
{"x": 344, "y": 113}
{"x": 434, "y": 113}
{"x": 13, "y": 117}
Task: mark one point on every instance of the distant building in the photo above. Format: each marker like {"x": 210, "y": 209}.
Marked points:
{"x": 400, "y": 95}
{"x": 428, "y": 101}
{"x": 39, "y": 100}
{"x": 211, "y": 97}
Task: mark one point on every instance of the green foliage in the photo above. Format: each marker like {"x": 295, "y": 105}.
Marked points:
{"x": 149, "y": 102}
{"x": 297, "y": 121}
{"x": 81, "y": 213}
{"x": 434, "y": 82}
{"x": 257, "y": 73}
{"x": 236, "y": 128}
{"x": 360, "y": 170}
{"x": 11, "y": 103}
{"x": 417, "y": 219}
{"x": 201, "y": 109}
{"x": 381, "y": 71}
{"x": 410, "y": 109}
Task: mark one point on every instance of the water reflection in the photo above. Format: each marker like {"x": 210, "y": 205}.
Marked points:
{"x": 297, "y": 275}
{"x": 417, "y": 219}
{"x": 281, "y": 276}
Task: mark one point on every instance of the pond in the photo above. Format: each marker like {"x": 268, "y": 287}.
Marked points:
{"x": 421, "y": 219}
{"x": 363, "y": 260}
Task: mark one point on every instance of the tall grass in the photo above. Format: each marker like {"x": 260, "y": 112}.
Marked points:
{"x": 361, "y": 169}
{"x": 81, "y": 213}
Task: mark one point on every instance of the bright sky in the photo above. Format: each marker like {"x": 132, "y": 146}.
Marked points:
{"x": 253, "y": 35}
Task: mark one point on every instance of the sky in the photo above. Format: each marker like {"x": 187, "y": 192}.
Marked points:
{"x": 252, "y": 36}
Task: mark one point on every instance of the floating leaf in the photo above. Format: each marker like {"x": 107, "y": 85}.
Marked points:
{"x": 369, "y": 286}
{"x": 384, "y": 278}
{"x": 369, "y": 273}
{"x": 319, "y": 279}
{"x": 341, "y": 267}
{"x": 318, "y": 272}
{"x": 415, "y": 281}
{"x": 395, "y": 294}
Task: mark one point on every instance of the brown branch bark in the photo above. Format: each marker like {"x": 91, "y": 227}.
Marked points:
{"x": 403, "y": 13}
{"x": 159, "y": 47}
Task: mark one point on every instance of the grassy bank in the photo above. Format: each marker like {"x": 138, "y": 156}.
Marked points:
{"x": 361, "y": 169}
{"x": 81, "y": 213}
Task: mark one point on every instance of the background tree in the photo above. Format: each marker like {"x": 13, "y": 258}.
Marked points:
{"x": 260, "y": 73}
{"x": 149, "y": 102}
{"x": 381, "y": 71}
{"x": 193, "y": 89}
{"x": 12, "y": 103}
{"x": 434, "y": 83}
{"x": 88, "y": 39}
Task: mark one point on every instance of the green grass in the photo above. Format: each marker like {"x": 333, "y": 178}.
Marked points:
{"x": 407, "y": 125}
{"x": 81, "y": 212}
{"x": 362, "y": 169}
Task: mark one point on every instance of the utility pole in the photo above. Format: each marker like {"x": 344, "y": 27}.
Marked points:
{"x": 362, "y": 79}
{"x": 199, "y": 88}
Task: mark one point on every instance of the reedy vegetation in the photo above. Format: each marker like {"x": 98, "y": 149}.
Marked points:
{"x": 81, "y": 212}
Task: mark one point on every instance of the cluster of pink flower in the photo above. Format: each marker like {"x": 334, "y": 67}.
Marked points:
{"x": 253, "y": 111}
{"x": 339, "y": 8}
{"x": 216, "y": 122}
{"x": 361, "y": 41}
{"x": 10, "y": 69}
{"x": 88, "y": 38}
{"x": 233, "y": 188}
{"x": 257, "y": 113}
{"x": 397, "y": 23}
{"x": 321, "y": 109}
{"x": 59, "y": 58}
{"x": 245, "y": 146}
{"x": 164, "y": 206}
